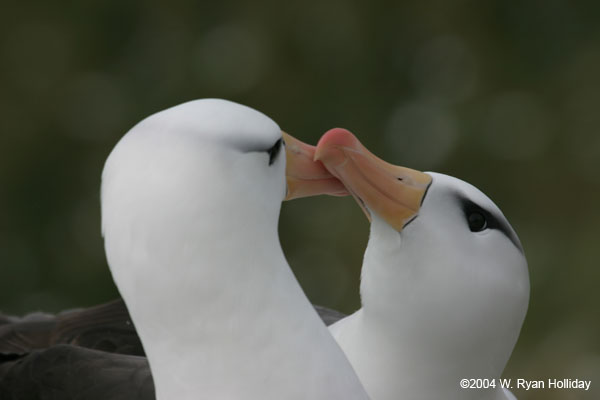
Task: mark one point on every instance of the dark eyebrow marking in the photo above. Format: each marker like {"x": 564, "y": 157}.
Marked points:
{"x": 494, "y": 221}
{"x": 273, "y": 151}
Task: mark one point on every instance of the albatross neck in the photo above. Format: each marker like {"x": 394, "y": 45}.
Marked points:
{"x": 389, "y": 363}
{"x": 227, "y": 319}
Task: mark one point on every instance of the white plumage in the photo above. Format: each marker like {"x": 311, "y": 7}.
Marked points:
{"x": 443, "y": 295}
{"x": 190, "y": 206}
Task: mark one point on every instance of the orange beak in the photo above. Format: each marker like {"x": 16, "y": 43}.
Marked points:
{"x": 306, "y": 176}
{"x": 392, "y": 192}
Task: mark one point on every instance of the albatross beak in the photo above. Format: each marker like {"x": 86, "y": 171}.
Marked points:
{"x": 394, "y": 193}
{"x": 306, "y": 176}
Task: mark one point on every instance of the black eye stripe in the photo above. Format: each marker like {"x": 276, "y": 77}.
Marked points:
{"x": 273, "y": 151}
{"x": 471, "y": 209}
{"x": 477, "y": 221}
{"x": 492, "y": 222}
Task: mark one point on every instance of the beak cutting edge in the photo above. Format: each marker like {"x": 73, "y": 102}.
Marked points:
{"x": 306, "y": 176}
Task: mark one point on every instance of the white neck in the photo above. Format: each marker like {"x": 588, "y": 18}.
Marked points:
{"x": 224, "y": 318}
{"x": 391, "y": 366}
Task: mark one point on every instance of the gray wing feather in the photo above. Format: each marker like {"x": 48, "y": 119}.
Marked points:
{"x": 68, "y": 372}
{"x": 106, "y": 327}
{"x": 328, "y": 315}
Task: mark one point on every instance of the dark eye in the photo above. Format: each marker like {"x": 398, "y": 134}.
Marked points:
{"x": 477, "y": 221}
{"x": 274, "y": 151}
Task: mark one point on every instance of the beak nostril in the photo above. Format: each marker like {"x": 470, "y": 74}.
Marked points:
{"x": 400, "y": 179}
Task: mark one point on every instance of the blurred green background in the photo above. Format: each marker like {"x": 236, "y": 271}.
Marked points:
{"x": 502, "y": 94}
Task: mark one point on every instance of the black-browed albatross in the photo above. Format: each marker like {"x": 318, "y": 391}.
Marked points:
{"x": 444, "y": 285}
{"x": 190, "y": 203}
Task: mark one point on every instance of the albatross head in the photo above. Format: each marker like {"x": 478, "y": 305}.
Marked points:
{"x": 208, "y": 157}
{"x": 444, "y": 272}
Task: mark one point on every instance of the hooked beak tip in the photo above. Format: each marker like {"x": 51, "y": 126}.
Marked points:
{"x": 332, "y": 145}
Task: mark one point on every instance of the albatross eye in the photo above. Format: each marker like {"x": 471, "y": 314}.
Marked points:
{"x": 477, "y": 221}
{"x": 274, "y": 151}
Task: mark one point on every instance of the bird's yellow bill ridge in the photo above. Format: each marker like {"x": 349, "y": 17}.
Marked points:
{"x": 394, "y": 193}
{"x": 305, "y": 175}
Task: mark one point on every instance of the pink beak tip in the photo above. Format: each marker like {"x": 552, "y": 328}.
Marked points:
{"x": 338, "y": 137}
